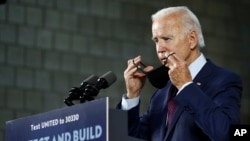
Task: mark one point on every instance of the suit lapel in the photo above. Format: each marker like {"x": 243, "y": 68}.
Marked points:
{"x": 204, "y": 74}
{"x": 200, "y": 81}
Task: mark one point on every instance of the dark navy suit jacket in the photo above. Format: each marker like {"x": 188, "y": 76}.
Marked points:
{"x": 206, "y": 109}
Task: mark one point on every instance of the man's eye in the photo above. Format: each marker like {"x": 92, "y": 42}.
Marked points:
{"x": 166, "y": 38}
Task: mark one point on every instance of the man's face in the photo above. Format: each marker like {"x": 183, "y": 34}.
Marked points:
{"x": 169, "y": 37}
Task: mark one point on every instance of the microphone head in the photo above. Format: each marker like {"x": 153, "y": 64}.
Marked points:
{"x": 92, "y": 79}
{"x": 109, "y": 78}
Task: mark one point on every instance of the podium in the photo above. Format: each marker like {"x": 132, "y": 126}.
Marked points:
{"x": 93, "y": 120}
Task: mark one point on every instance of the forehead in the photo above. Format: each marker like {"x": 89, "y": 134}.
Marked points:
{"x": 170, "y": 24}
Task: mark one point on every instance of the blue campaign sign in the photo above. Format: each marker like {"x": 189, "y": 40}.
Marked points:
{"x": 81, "y": 122}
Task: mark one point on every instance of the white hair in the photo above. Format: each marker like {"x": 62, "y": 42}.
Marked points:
{"x": 188, "y": 19}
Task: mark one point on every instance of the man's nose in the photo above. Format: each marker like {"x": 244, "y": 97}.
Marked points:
{"x": 161, "y": 47}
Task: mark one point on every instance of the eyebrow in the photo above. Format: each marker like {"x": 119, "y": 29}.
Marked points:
{"x": 162, "y": 37}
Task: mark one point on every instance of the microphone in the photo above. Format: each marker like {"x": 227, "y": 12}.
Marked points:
{"x": 90, "y": 80}
{"x": 106, "y": 80}
{"x": 103, "y": 82}
{"x": 90, "y": 88}
{"x": 76, "y": 93}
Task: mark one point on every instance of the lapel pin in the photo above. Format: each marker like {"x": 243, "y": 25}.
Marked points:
{"x": 198, "y": 83}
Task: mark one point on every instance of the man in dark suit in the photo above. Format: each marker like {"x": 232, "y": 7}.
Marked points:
{"x": 207, "y": 98}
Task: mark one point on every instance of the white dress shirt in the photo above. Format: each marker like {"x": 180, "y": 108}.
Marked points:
{"x": 194, "y": 69}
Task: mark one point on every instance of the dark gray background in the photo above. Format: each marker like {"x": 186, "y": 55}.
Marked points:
{"x": 48, "y": 46}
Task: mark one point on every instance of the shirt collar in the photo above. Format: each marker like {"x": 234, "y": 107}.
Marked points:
{"x": 196, "y": 66}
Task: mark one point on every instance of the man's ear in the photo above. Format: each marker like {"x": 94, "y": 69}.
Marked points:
{"x": 193, "y": 39}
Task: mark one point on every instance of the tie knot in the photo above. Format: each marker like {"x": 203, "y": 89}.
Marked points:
{"x": 172, "y": 92}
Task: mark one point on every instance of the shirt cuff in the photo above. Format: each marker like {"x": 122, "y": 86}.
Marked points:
{"x": 185, "y": 85}
{"x": 128, "y": 104}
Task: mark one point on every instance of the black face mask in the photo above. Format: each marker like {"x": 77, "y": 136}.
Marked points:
{"x": 158, "y": 77}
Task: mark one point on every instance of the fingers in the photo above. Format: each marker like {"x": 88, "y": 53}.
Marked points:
{"x": 135, "y": 61}
{"x": 132, "y": 66}
{"x": 136, "y": 68}
{"x": 172, "y": 60}
{"x": 132, "y": 63}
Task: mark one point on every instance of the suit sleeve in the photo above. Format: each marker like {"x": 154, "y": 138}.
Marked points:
{"x": 137, "y": 124}
{"x": 216, "y": 105}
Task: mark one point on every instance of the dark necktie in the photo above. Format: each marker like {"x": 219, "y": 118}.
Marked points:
{"x": 171, "y": 103}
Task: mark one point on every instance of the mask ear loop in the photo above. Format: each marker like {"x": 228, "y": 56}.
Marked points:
{"x": 167, "y": 56}
{"x": 140, "y": 67}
